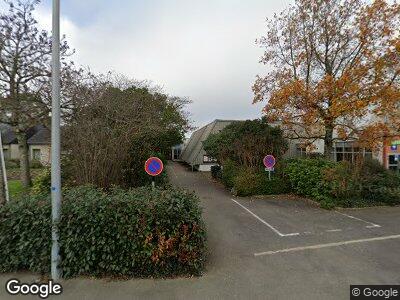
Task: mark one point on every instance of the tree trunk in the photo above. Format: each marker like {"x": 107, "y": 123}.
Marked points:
{"x": 2, "y": 187}
{"x": 328, "y": 143}
{"x": 24, "y": 160}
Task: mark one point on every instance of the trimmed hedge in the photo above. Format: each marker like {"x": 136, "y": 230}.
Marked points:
{"x": 306, "y": 176}
{"x": 249, "y": 182}
{"x": 366, "y": 183}
{"x": 135, "y": 233}
{"x": 229, "y": 172}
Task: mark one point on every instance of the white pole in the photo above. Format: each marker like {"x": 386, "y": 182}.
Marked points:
{"x": 55, "y": 144}
{"x": 3, "y": 165}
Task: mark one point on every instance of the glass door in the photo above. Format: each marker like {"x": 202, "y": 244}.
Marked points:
{"x": 393, "y": 162}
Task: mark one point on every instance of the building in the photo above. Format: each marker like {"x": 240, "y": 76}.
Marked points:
{"x": 38, "y": 139}
{"x": 391, "y": 153}
{"x": 388, "y": 155}
{"x": 194, "y": 154}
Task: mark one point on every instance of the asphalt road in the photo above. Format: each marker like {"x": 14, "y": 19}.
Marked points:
{"x": 277, "y": 248}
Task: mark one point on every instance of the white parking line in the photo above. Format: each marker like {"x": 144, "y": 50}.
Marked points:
{"x": 382, "y": 238}
{"x": 265, "y": 223}
{"x": 371, "y": 225}
{"x": 333, "y": 230}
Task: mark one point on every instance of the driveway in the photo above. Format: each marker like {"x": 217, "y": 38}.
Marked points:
{"x": 276, "y": 248}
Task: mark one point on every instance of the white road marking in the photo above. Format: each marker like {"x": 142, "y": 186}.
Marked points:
{"x": 265, "y": 223}
{"x": 382, "y": 238}
{"x": 333, "y": 230}
{"x": 371, "y": 225}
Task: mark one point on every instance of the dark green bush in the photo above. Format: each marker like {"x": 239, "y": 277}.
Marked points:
{"x": 365, "y": 183}
{"x": 135, "y": 233}
{"x": 216, "y": 172}
{"x": 229, "y": 172}
{"x": 35, "y": 164}
{"x": 249, "y": 182}
{"x": 306, "y": 177}
{"x": 12, "y": 163}
{"x": 41, "y": 184}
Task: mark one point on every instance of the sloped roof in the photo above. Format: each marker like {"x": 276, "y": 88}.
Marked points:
{"x": 36, "y": 135}
{"x": 194, "y": 151}
{"x": 41, "y": 137}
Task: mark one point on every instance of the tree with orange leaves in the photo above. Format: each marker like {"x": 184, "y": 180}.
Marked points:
{"x": 333, "y": 70}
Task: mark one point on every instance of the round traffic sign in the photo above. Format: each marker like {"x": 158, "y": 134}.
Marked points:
{"x": 153, "y": 166}
{"x": 269, "y": 161}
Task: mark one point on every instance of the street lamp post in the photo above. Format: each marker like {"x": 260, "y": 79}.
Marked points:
{"x": 55, "y": 144}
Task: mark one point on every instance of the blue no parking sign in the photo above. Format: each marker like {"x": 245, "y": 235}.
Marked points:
{"x": 153, "y": 166}
{"x": 269, "y": 161}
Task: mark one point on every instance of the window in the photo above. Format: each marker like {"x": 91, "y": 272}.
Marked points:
{"x": 6, "y": 153}
{"x": 208, "y": 159}
{"x": 301, "y": 150}
{"x": 177, "y": 153}
{"x": 394, "y": 162}
{"x": 350, "y": 151}
{"x": 36, "y": 154}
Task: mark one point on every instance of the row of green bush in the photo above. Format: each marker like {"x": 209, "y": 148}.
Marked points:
{"x": 134, "y": 233}
{"x": 15, "y": 163}
{"x": 246, "y": 181}
{"x": 365, "y": 183}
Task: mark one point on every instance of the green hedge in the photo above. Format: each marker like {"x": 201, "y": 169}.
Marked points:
{"x": 306, "y": 176}
{"x": 229, "y": 172}
{"x": 365, "y": 183}
{"x": 135, "y": 233}
{"x": 249, "y": 182}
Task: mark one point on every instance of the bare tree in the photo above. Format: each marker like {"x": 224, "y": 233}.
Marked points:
{"x": 111, "y": 133}
{"x": 25, "y": 70}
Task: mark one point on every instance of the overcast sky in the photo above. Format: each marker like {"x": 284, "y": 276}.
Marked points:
{"x": 204, "y": 50}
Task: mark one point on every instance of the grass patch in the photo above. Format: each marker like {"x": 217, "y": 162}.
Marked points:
{"x": 15, "y": 188}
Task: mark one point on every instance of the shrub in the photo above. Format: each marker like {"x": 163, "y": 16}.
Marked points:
{"x": 339, "y": 181}
{"x": 365, "y": 183}
{"x": 249, "y": 182}
{"x": 113, "y": 132}
{"x": 42, "y": 182}
{"x": 377, "y": 184}
{"x": 229, "y": 171}
{"x": 35, "y": 164}
{"x": 12, "y": 163}
{"x": 136, "y": 233}
{"x": 216, "y": 172}
{"x": 306, "y": 177}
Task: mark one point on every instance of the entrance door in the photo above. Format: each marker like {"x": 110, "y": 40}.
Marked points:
{"x": 393, "y": 162}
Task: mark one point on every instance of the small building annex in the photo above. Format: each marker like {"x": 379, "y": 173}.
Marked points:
{"x": 194, "y": 154}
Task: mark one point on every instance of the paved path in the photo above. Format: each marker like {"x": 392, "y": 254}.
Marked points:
{"x": 269, "y": 249}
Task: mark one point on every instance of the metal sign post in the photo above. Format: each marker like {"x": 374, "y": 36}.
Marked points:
{"x": 55, "y": 144}
{"x": 154, "y": 167}
{"x": 3, "y": 168}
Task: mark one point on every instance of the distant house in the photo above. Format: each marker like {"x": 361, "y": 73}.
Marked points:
{"x": 194, "y": 154}
{"x": 38, "y": 138}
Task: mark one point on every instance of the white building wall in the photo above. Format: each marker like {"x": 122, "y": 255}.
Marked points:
{"x": 205, "y": 168}
{"x": 44, "y": 153}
